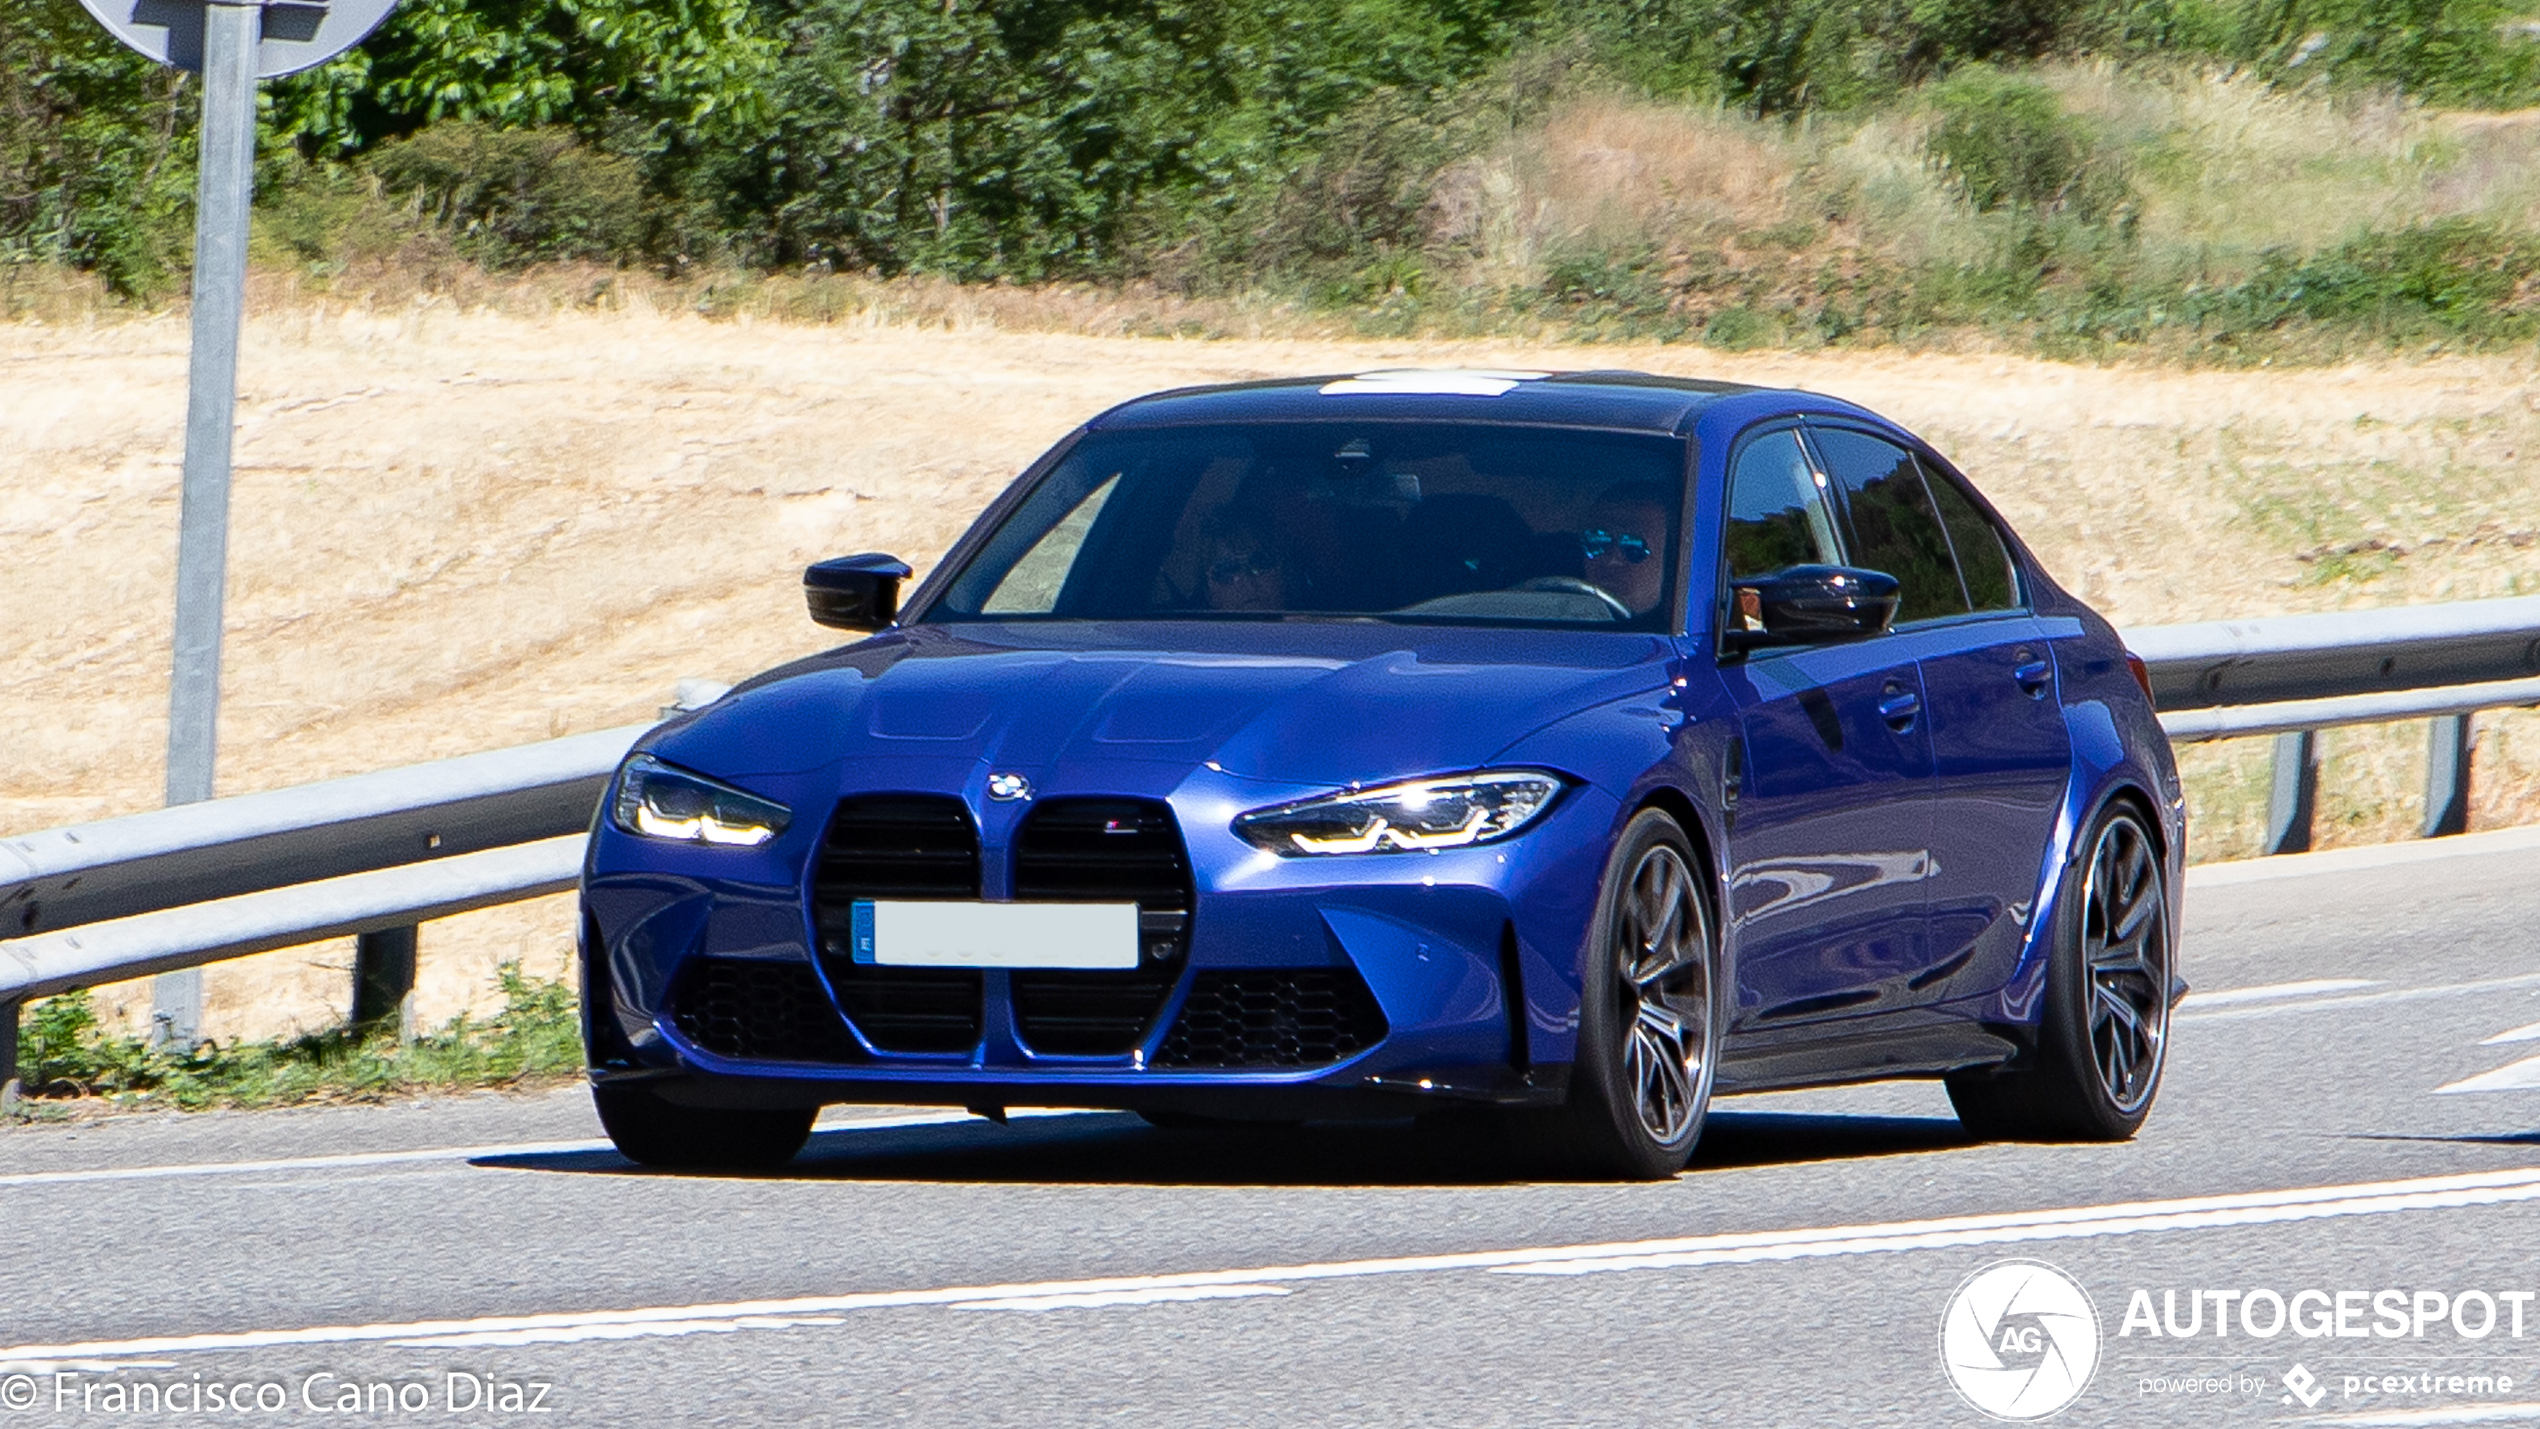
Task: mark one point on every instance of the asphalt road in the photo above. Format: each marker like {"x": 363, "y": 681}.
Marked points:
{"x": 1085, "y": 1269}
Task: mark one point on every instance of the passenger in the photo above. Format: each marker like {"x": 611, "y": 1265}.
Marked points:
{"x": 1623, "y": 547}
{"x": 1244, "y": 571}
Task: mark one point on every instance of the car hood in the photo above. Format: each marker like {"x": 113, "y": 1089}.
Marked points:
{"x": 1292, "y": 703}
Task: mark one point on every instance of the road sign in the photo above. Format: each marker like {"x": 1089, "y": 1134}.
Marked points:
{"x": 297, "y": 35}
{"x": 232, "y": 44}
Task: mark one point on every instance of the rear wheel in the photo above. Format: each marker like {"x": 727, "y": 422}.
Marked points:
{"x": 2105, "y": 1026}
{"x": 1649, "y": 1010}
{"x": 652, "y": 1132}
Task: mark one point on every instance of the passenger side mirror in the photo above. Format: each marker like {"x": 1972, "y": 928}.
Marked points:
{"x": 1808, "y": 605}
{"x": 855, "y": 592}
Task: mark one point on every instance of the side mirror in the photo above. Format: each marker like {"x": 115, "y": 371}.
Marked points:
{"x": 855, "y": 592}
{"x": 1809, "y": 605}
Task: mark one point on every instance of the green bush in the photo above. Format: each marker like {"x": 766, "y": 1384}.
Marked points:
{"x": 511, "y": 197}
{"x": 2007, "y": 143}
{"x": 96, "y": 151}
{"x": 2457, "y": 277}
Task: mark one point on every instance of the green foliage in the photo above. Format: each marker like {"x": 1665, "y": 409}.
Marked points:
{"x": 96, "y": 150}
{"x": 2475, "y": 52}
{"x": 2008, "y": 143}
{"x": 1038, "y": 138}
{"x": 652, "y": 76}
{"x": 511, "y": 197}
{"x": 63, "y": 1052}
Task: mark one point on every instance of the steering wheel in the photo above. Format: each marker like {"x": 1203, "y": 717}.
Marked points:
{"x": 1572, "y": 585}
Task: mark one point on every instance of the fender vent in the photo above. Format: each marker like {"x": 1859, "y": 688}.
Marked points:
{"x": 1273, "y": 1017}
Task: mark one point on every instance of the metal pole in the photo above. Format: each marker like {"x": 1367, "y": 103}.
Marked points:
{"x": 9, "y": 1057}
{"x": 2292, "y": 792}
{"x": 384, "y": 980}
{"x": 2447, "y": 751}
{"x": 225, "y": 183}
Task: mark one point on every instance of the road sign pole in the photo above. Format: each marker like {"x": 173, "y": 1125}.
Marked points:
{"x": 226, "y": 182}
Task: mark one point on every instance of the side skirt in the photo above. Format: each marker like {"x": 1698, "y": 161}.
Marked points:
{"x": 1868, "y": 1054}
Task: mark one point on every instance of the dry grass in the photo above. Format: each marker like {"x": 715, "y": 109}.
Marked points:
{"x": 2225, "y": 168}
{"x": 456, "y": 530}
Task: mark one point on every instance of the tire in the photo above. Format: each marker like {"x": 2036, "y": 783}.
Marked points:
{"x": 652, "y": 1132}
{"x": 1651, "y": 1007}
{"x": 2104, "y": 1029}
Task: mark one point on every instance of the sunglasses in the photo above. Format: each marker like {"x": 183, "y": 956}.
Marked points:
{"x": 1598, "y": 543}
{"x": 1235, "y": 568}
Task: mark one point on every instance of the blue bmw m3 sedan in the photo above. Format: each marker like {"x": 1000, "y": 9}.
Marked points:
{"x": 1558, "y": 751}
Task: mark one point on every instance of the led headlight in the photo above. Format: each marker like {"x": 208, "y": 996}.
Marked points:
{"x": 1447, "y": 812}
{"x": 662, "y": 802}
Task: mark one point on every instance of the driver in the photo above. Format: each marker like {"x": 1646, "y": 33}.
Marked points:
{"x": 1243, "y": 570}
{"x": 1625, "y": 535}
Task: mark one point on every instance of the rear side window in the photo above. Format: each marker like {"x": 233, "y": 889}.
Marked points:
{"x": 1777, "y": 513}
{"x": 1984, "y": 559}
{"x": 1892, "y": 525}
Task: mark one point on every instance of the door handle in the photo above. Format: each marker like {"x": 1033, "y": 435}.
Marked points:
{"x": 1898, "y": 706}
{"x": 2034, "y": 674}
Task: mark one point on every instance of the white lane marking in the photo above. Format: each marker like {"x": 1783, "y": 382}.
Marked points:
{"x": 2512, "y": 1077}
{"x": 299, "y": 1163}
{"x": 463, "y": 1153}
{"x": 1110, "y": 1299}
{"x": 2466, "y": 1414}
{"x": 2123, "y": 1218}
{"x": 2274, "y": 990}
{"x": 2360, "y": 999}
{"x": 2529, "y": 1032}
{"x": 2355, "y": 860}
{"x": 558, "y": 1335}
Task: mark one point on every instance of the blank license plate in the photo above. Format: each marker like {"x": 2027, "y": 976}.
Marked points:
{"x": 996, "y": 935}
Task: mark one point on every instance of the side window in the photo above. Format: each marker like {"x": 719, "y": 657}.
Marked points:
{"x": 1984, "y": 559}
{"x": 1891, "y": 522}
{"x": 1777, "y": 513}
{"x": 1033, "y": 586}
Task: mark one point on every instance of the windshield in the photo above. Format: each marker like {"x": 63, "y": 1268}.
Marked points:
{"x": 1429, "y": 522}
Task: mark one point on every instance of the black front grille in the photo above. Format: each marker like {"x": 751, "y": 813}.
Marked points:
{"x": 898, "y": 846}
{"x": 1103, "y": 851}
{"x": 758, "y": 1011}
{"x": 1273, "y": 1017}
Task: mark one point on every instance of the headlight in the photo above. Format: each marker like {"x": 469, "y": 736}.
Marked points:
{"x": 660, "y": 802}
{"x": 1447, "y": 812}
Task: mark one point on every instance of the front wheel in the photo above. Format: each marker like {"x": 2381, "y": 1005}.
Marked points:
{"x": 2105, "y": 1026}
{"x": 1649, "y": 1010}
{"x": 652, "y": 1132}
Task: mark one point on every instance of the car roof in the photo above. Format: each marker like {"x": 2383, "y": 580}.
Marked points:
{"x": 1612, "y": 400}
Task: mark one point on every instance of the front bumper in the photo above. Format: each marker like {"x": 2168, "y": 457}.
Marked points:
{"x": 1307, "y": 987}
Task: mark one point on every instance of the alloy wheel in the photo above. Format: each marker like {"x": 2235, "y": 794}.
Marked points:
{"x": 2125, "y": 931}
{"x": 1663, "y": 949}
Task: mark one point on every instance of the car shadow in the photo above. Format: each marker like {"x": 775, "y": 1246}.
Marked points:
{"x": 2499, "y": 1138}
{"x": 1120, "y": 1149}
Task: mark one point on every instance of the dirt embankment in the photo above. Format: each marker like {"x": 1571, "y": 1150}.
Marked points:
{"x": 457, "y": 531}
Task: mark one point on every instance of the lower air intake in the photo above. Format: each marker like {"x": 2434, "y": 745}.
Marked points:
{"x": 756, "y": 1011}
{"x": 1273, "y": 1017}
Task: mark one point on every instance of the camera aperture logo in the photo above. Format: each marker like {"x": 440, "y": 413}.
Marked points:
{"x": 2019, "y": 1340}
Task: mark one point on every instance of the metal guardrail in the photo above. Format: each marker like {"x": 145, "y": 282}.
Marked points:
{"x": 374, "y": 854}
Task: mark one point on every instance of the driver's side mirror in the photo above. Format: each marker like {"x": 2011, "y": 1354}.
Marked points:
{"x": 855, "y": 592}
{"x": 1808, "y": 605}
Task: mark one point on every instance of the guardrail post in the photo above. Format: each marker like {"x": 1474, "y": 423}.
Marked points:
{"x": 2292, "y": 792}
{"x": 2447, "y": 752}
{"x": 9, "y": 1057}
{"x": 384, "y": 979}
